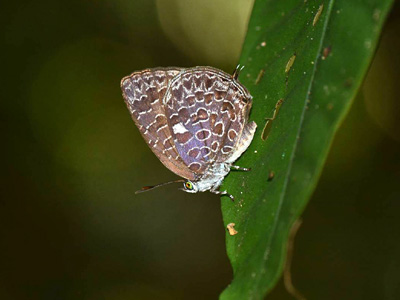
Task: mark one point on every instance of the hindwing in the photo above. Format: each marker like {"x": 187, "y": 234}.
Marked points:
{"x": 207, "y": 111}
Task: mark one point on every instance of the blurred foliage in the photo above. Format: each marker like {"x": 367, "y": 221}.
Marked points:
{"x": 71, "y": 226}
{"x": 208, "y": 36}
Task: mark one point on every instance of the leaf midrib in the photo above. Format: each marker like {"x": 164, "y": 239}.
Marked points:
{"x": 274, "y": 226}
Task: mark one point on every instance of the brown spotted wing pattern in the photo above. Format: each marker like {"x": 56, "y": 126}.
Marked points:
{"x": 207, "y": 111}
{"x": 194, "y": 120}
{"x": 143, "y": 93}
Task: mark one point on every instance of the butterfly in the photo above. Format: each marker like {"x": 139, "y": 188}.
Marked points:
{"x": 195, "y": 120}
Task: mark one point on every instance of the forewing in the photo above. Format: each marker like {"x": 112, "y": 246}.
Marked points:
{"x": 143, "y": 93}
{"x": 207, "y": 110}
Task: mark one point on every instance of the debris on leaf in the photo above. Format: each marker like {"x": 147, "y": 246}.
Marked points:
{"x": 231, "y": 230}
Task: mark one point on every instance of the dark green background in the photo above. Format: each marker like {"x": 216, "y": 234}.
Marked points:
{"x": 71, "y": 226}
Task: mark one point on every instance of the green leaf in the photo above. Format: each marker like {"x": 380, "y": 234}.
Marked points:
{"x": 313, "y": 55}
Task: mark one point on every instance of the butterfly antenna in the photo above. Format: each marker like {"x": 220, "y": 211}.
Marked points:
{"x": 151, "y": 187}
{"x": 237, "y": 71}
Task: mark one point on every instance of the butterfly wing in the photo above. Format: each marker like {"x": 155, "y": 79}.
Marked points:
{"x": 207, "y": 111}
{"x": 143, "y": 93}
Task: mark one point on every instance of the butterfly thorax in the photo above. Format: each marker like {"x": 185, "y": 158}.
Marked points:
{"x": 212, "y": 178}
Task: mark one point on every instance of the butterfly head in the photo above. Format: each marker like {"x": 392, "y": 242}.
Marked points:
{"x": 190, "y": 187}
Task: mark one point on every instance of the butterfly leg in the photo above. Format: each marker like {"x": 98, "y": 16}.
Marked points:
{"x": 235, "y": 74}
{"x": 240, "y": 168}
{"x": 222, "y": 193}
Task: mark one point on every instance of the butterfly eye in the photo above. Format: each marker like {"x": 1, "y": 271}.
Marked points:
{"x": 189, "y": 185}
